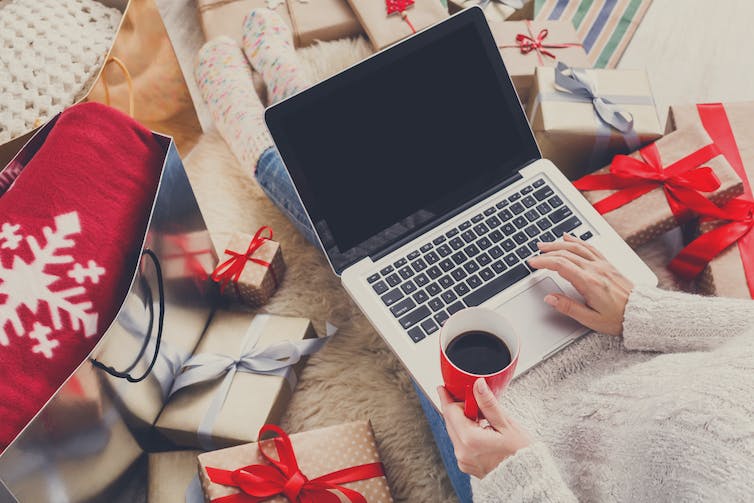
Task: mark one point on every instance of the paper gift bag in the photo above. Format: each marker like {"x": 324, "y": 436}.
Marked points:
{"x": 723, "y": 256}
{"x": 662, "y": 185}
{"x": 388, "y": 21}
{"x": 173, "y": 476}
{"x": 81, "y": 466}
{"x": 309, "y": 21}
{"x": 317, "y": 454}
{"x": 237, "y": 380}
{"x": 497, "y": 10}
{"x": 525, "y": 45}
{"x": 581, "y": 118}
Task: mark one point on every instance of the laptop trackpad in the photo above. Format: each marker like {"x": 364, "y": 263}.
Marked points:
{"x": 540, "y": 328}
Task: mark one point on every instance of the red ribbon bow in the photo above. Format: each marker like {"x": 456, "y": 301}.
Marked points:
{"x": 262, "y": 482}
{"x": 528, "y": 43}
{"x": 691, "y": 261}
{"x": 230, "y": 270}
{"x": 681, "y": 181}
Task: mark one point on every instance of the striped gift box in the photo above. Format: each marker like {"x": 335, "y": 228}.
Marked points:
{"x": 605, "y": 26}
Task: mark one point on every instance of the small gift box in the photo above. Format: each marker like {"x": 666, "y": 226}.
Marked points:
{"x": 309, "y": 20}
{"x": 655, "y": 189}
{"x": 582, "y": 117}
{"x": 241, "y": 376}
{"x": 497, "y": 10}
{"x": 525, "y": 45}
{"x": 722, "y": 256}
{"x": 173, "y": 476}
{"x": 253, "y": 268}
{"x": 388, "y": 21}
{"x": 322, "y": 465}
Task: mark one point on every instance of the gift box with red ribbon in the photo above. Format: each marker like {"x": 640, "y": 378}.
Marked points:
{"x": 329, "y": 465}
{"x": 662, "y": 185}
{"x": 525, "y": 45}
{"x": 722, "y": 256}
{"x": 253, "y": 268}
{"x": 388, "y": 21}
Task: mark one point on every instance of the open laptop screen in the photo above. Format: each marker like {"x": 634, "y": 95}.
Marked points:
{"x": 403, "y": 139}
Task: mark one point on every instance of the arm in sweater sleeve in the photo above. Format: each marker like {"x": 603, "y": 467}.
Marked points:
{"x": 660, "y": 320}
{"x": 529, "y": 476}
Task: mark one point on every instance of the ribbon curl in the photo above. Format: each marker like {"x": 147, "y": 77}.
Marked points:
{"x": 528, "y": 43}
{"x": 230, "y": 271}
{"x": 681, "y": 181}
{"x": 691, "y": 261}
{"x": 283, "y": 477}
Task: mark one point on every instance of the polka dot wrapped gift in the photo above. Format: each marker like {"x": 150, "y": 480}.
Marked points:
{"x": 253, "y": 268}
{"x": 329, "y": 465}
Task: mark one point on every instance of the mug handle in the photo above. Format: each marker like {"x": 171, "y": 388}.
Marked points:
{"x": 470, "y": 407}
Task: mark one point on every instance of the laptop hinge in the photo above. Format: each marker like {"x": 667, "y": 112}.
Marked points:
{"x": 444, "y": 218}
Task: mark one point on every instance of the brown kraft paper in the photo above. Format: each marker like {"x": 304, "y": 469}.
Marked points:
{"x": 567, "y": 131}
{"x": 318, "y": 453}
{"x": 384, "y": 30}
{"x": 257, "y": 282}
{"x": 521, "y": 66}
{"x": 649, "y": 216}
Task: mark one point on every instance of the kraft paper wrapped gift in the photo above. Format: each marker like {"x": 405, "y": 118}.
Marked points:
{"x": 497, "y": 10}
{"x": 647, "y": 214}
{"x": 385, "y": 29}
{"x": 517, "y": 41}
{"x": 309, "y": 20}
{"x": 218, "y": 400}
{"x": 251, "y": 269}
{"x": 173, "y": 476}
{"x": 729, "y": 273}
{"x": 87, "y": 465}
{"x": 581, "y": 130}
{"x": 317, "y": 452}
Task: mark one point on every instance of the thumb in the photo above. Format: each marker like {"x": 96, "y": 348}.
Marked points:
{"x": 489, "y": 406}
{"x": 573, "y": 309}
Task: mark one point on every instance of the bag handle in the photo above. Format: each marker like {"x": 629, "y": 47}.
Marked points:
{"x": 129, "y": 82}
{"x": 126, "y": 373}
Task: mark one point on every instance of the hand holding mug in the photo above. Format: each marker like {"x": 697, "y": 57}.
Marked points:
{"x": 480, "y": 449}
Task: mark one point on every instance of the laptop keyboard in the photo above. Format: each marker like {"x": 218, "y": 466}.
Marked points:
{"x": 474, "y": 261}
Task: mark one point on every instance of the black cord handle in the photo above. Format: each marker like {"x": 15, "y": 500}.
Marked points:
{"x": 126, "y": 374}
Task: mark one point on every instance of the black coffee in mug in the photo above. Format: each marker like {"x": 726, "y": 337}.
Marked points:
{"x": 478, "y": 352}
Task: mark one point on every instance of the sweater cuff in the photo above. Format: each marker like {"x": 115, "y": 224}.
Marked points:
{"x": 529, "y": 476}
{"x": 666, "y": 321}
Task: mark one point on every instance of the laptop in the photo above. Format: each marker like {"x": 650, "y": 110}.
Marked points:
{"x": 428, "y": 193}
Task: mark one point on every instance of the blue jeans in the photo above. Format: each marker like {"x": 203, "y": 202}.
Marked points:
{"x": 277, "y": 184}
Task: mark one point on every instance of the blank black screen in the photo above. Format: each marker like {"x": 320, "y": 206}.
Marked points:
{"x": 405, "y": 141}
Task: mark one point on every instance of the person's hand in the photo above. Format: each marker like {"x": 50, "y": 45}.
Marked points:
{"x": 480, "y": 449}
{"x": 605, "y": 290}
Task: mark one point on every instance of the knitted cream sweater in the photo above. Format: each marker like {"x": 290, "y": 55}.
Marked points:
{"x": 617, "y": 421}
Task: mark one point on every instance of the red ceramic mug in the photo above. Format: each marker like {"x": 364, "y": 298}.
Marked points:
{"x": 460, "y": 383}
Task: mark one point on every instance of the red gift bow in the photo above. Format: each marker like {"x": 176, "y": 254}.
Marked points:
{"x": 681, "y": 181}
{"x": 262, "y": 482}
{"x": 230, "y": 270}
{"x": 692, "y": 260}
{"x": 529, "y": 43}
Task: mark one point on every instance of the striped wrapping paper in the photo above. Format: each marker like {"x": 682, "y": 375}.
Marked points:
{"x": 605, "y": 26}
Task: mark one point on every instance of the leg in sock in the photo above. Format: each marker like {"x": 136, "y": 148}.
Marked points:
{"x": 268, "y": 43}
{"x": 224, "y": 79}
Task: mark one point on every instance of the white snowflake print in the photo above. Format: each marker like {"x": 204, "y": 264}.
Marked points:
{"x": 27, "y": 284}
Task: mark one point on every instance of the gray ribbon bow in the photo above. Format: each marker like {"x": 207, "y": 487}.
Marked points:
{"x": 580, "y": 84}
{"x": 516, "y": 4}
{"x": 275, "y": 360}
